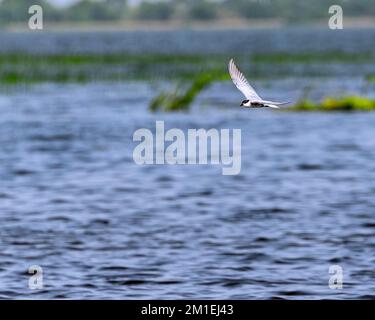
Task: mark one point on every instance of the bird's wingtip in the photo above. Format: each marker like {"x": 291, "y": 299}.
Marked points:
{"x": 230, "y": 64}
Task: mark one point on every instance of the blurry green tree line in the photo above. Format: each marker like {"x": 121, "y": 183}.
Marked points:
{"x": 112, "y": 10}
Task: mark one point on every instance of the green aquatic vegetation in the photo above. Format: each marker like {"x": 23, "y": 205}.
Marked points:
{"x": 29, "y": 68}
{"x": 10, "y": 78}
{"x": 17, "y": 77}
{"x": 16, "y": 68}
{"x": 370, "y": 78}
{"x": 350, "y": 103}
{"x": 181, "y": 100}
{"x": 308, "y": 57}
{"x": 303, "y": 105}
{"x": 115, "y": 58}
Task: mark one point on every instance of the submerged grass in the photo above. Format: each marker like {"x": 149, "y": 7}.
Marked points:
{"x": 350, "y": 103}
{"x": 182, "y": 100}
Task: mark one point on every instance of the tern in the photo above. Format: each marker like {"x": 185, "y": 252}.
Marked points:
{"x": 252, "y": 98}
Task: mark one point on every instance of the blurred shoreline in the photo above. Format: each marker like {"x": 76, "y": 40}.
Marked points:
{"x": 177, "y": 24}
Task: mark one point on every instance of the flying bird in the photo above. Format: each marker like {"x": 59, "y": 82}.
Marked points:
{"x": 252, "y": 98}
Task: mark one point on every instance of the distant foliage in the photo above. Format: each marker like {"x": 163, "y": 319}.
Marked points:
{"x": 254, "y": 9}
{"x": 17, "y": 10}
{"x": 154, "y": 11}
{"x": 88, "y": 10}
{"x": 92, "y": 10}
{"x": 202, "y": 10}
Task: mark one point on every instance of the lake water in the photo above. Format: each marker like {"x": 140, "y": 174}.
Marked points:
{"x": 73, "y": 201}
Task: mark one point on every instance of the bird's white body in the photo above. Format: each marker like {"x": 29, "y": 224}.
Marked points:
{"x": 252, "y": 98}
{"x": 256, "y": 104}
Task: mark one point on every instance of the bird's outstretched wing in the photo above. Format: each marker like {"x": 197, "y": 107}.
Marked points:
{"x": 272, "y": 102}
{"x": 241, "y": 83}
